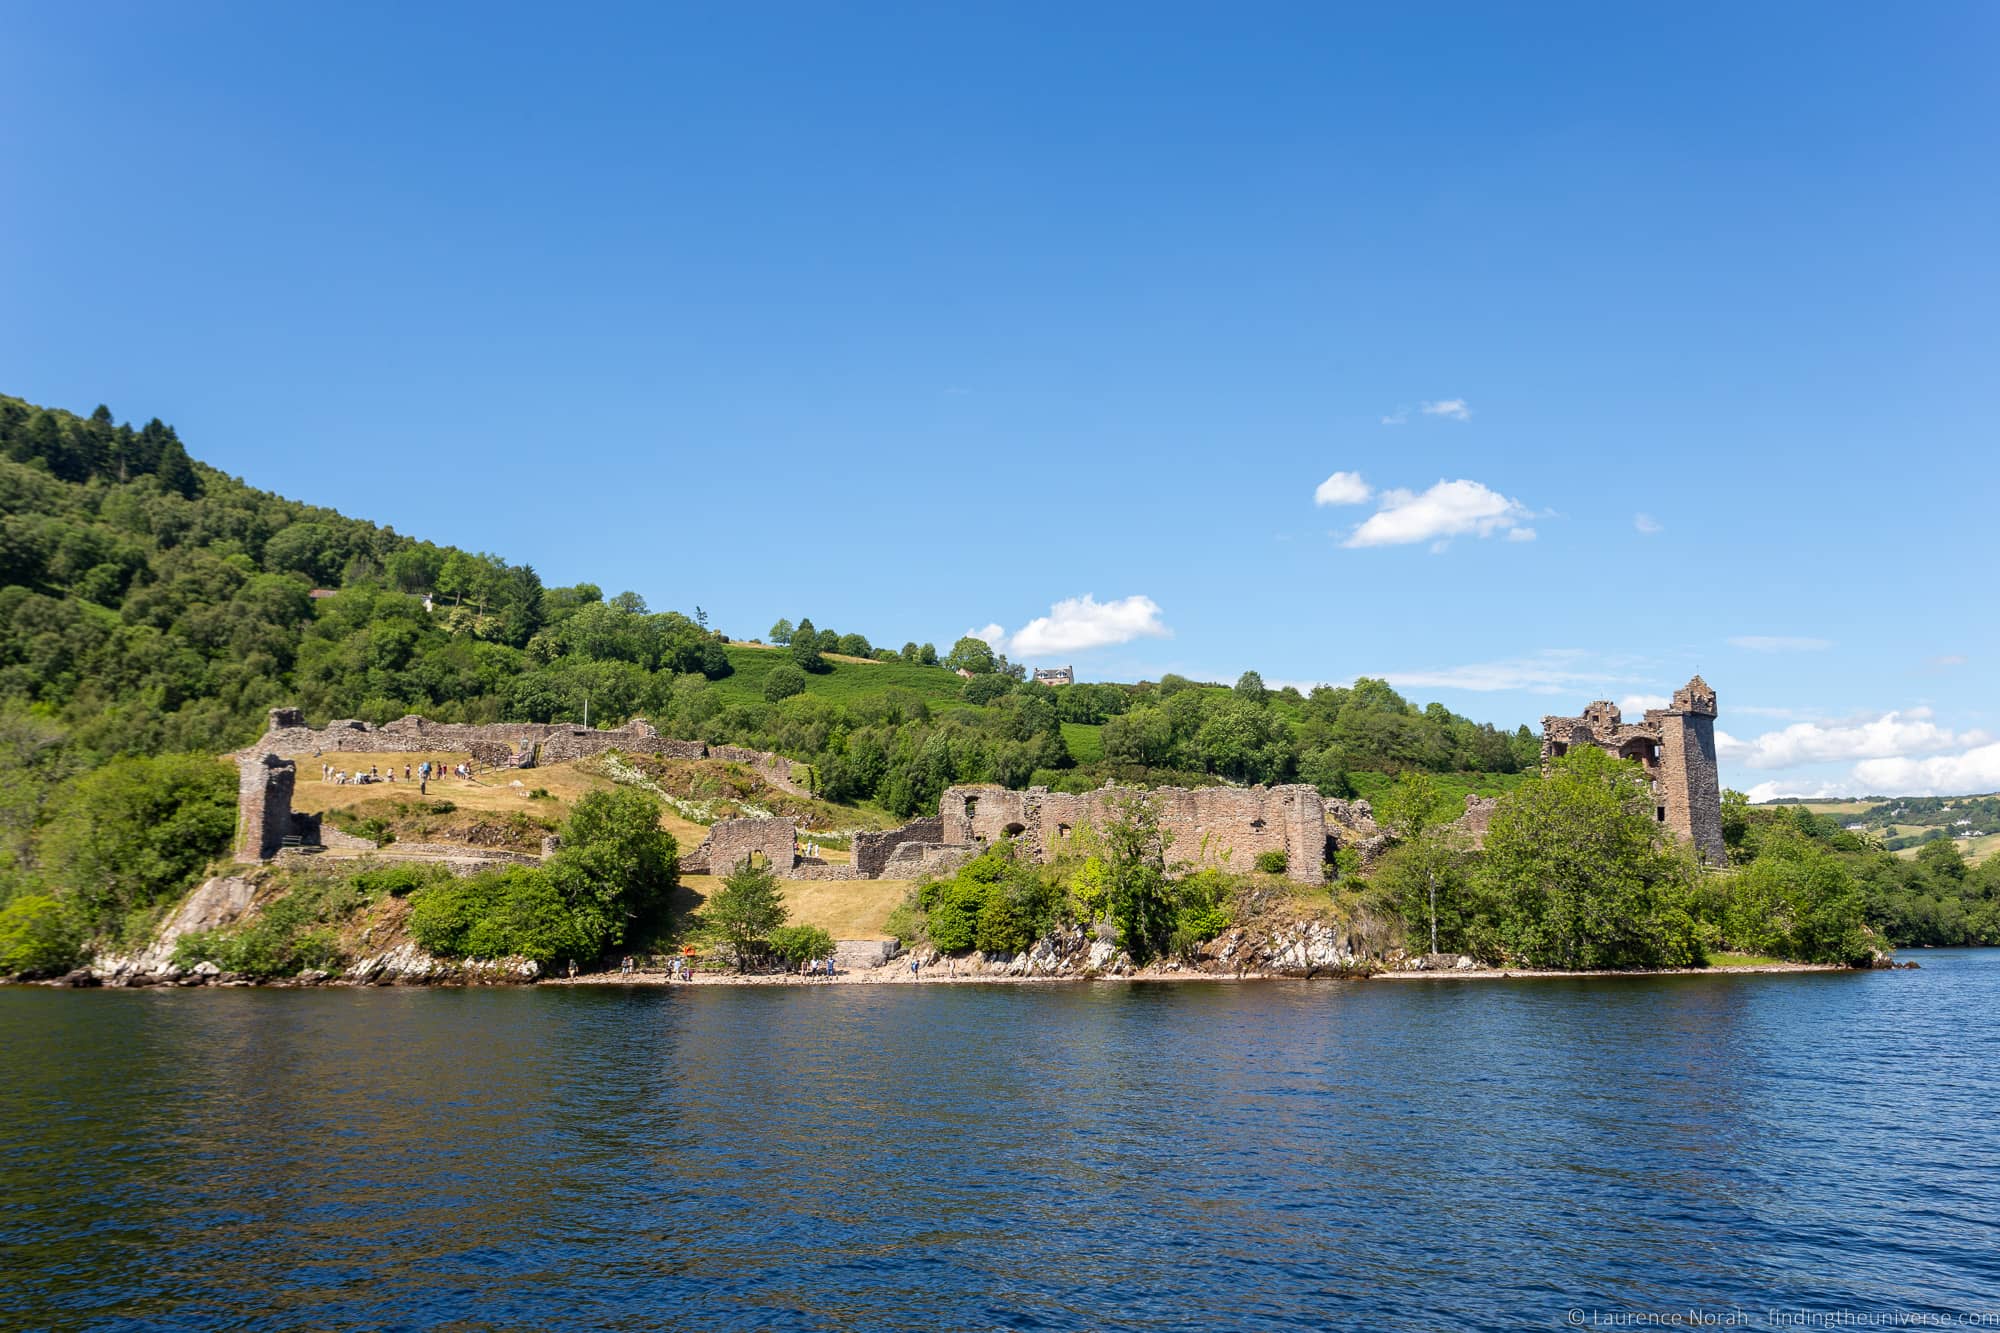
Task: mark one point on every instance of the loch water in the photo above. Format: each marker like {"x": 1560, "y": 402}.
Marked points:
{"x": 1760, "y": 1149}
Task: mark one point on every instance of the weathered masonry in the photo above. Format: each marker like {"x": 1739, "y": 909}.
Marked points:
{"x": 1223, "y": 827}
{"x": 1676, "y": 747}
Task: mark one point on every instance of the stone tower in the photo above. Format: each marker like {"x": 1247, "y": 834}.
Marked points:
{"x": 1676, "y": 748}
{"x": 263, "y": 805}
{"x": 1690, "y": 788}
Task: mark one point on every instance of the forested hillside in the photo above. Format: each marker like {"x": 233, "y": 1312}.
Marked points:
{"x": 152, "y": 604}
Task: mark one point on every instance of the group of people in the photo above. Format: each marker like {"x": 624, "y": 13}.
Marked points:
{"x": 340, "y": 778}
{"x": 421, "y": 774}
{"x": 817, "y": 969}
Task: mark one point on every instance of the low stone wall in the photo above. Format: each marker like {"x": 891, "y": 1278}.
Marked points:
{"x": 819, "y": 871}
{"x": 491, "y": 744}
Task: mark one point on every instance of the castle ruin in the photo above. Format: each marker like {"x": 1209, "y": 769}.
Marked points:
{"x": 1676, "y": 748}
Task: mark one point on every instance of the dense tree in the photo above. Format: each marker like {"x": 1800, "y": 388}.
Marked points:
{"x": 745, "y": 909}
{"x": 806, "y": 649}
{"x": 971, "y": 654}
{"x": 1582, "y": 874}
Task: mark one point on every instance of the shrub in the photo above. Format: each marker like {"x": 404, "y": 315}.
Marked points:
{"x": 783, "y": 681}
{"x": 746, "y": 909}
{"x": 399, "y": 880}
{"x": 1271, "y": 863}
{"x": 444, "y": 916}
{"x": 292, "y": 933}
{"x": 38, "y": 937}
{"x": 795, "y": 944}
{"x": 138, "y": 831}
{"x": 906, "y": 921}
{"x": 985, "y": 689}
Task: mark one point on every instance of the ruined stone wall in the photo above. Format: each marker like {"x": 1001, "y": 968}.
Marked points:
{"x": 1208, "y": 826}
{"x": 872, "y": 850}
{"x": 729, "y": 841}
{"x": 263, "y": 805}
{"x": 500, "y": 744}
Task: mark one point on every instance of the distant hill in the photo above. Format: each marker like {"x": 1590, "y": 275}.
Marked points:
{"x": 1905, "y": 824}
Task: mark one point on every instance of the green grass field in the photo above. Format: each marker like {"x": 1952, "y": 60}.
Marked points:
{"x": 1085, "y": 741}
{"x": 850, "y": 680}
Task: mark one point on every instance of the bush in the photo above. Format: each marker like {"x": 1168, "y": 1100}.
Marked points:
{"x": 1271, "y": 863}
{"x": 400, "y": 880}
{"x": 138, "y": 831}
{"x": 517, "y": 912}
{"x": 783, "y": 681}
{"x": 985, "y": 689}
{"x": 38, "y": 937}
{"x": 292, "y": 933}
{"x": 795, "y": 944}
{"x": 746, "y": 909}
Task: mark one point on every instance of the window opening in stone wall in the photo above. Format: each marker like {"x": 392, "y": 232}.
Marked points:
{"x": 1062, "y": 830}
{"x": 1256, "y": 823}
{"x": 1015, "y": 830}
{"x": 1660, "y": 813}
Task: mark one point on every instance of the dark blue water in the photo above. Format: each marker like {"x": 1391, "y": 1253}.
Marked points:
{"x": 1411, "y": 1155}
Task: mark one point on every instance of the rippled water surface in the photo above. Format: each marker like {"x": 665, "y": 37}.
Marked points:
{"x": 1402, "y": 1154}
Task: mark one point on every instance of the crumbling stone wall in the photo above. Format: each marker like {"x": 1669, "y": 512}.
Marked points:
{"x": 729, "y": 841}
{"x": 1224, "y": 827}
{"x": 264, "y": 814}
{"x": 873, "y": 850}
{"x": 1676, "y": 748}
{"x": 263, "y": 805}
{"x": 493, "y": 745}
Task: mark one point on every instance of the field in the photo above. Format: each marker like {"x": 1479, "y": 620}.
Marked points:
{"x": 846, "y": 909}
{"x": 852, "y": 679}
{"x": 1085, "y": 741}
{"x": 495, "y": 793}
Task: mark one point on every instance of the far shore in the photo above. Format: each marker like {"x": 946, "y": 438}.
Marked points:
{"x": 894, "y": 975}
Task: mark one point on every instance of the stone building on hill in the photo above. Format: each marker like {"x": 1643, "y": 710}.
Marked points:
{"x": 1062, "y": 675}
{"x": 1676, "y": 747}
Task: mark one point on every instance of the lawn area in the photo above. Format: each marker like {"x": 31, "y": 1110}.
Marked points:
{"x": 846, "y": 909}
{"x": 1085, "y": 741}
{"x": 850, "y": 680}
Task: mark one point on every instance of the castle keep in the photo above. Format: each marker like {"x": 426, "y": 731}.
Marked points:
{"x": 1676, "y": 747}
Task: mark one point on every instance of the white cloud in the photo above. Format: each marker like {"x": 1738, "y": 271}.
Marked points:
{"x": 1647, "y": 524}
{"x": 1948, "y": 660}
{"x": 1079, "y": 623}
{"x": 1819, "y": 791}
{"x": 1895, "y": 735}
{"x": 1635, "y": 705}
{"x": 1552, "y": 671}
{"x": 1520, "y": 534}
{"x": 1976, "y": 770}
{"x": 1343, "y": 488}
{"x": 1397, "y": 417}
{"x": 1448, "y": 509}
{"x": 1779, "y": 643}
{"x": 1451, "y": 408}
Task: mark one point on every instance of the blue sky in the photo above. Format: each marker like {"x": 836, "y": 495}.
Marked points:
{"x": 1642, "y": 341}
